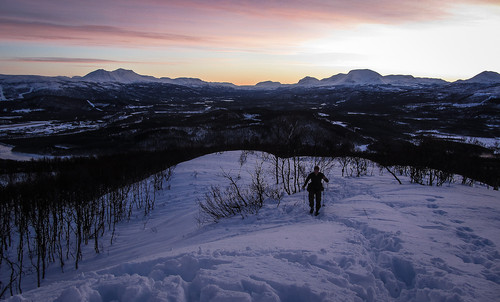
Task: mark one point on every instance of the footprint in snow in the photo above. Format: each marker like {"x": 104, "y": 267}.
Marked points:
{"x": 440, "y": 212}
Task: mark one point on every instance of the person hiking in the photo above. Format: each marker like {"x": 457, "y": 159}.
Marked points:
{"x": 315, "y": 188}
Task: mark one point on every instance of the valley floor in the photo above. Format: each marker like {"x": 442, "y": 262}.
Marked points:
{"x": 375, "y": 240}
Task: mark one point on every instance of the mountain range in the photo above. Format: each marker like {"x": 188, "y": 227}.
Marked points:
{"x": 352, "y": 78}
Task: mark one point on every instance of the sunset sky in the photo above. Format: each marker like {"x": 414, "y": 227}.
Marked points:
{"x": 249, "y": 41}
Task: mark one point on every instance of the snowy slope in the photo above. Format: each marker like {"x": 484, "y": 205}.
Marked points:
{"x": 375, "y": 240}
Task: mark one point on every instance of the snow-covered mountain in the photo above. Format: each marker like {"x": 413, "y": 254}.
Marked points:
{"x": 484, "y": 77}
{"x": 124, "y": 76}
{"x": 357, "y": 77}
{"x": 119, "y": 75}
{"x": 376, "y": 240}
{"x": 368, "y": 77}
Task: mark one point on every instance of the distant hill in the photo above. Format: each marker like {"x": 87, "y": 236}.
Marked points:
{"x": 268, "y": 84}
{"x": 309, "y": 81}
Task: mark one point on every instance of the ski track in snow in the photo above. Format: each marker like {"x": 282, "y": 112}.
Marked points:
{"x": 375, "y": 240}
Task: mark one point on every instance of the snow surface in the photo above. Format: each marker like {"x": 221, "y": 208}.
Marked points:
{"x": 375, "y": 240}
{"x": 27, "y": 110}
{"x": 488, "y": 142}
{"x": 7, "y": 153}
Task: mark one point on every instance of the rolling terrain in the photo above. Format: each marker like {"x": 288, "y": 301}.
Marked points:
{"x": 105, "y": 110}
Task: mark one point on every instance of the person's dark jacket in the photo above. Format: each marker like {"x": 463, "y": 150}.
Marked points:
{"x": 315, "y": 184}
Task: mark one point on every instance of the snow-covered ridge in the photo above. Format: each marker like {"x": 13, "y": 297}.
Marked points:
{"x": 375, "y": 240}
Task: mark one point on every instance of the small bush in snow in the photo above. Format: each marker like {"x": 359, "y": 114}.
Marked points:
{"x": 234, "y": 199}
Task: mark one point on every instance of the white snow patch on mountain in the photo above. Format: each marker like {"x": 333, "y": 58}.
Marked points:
{"x": 21, "y": 95}
{"x": 252, "y": 117}
{"x": 93, "y": 105}
{"x": 27, "y": 110}
{"x": 2, "y": 96}
{"x": 375, "y": 240}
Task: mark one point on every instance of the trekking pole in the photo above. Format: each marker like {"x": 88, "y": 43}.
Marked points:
{"x": 304, "y": 198}
{"x": 323, "y": 197}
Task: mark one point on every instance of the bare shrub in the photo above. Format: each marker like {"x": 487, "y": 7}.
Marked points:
{"x": 234, "y": 199}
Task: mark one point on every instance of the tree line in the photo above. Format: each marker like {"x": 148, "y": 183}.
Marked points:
{"x": 275, "y": 176}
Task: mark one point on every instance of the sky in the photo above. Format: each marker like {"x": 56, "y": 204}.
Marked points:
{"x": 248, "y": 41}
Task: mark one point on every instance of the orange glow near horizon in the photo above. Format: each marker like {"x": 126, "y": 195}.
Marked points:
{"x": 247, "y": 42}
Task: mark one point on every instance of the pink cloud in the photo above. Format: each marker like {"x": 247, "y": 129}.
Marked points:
{"x": 92, "y": 34}
{"x": 120, "y": 12}
{"x": 61, "y": 60}
{"x": 203, "y": 23}
{"x": 331, "y": 11}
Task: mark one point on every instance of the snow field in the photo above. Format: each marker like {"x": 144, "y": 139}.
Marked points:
{"x": 375, "y": 240}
